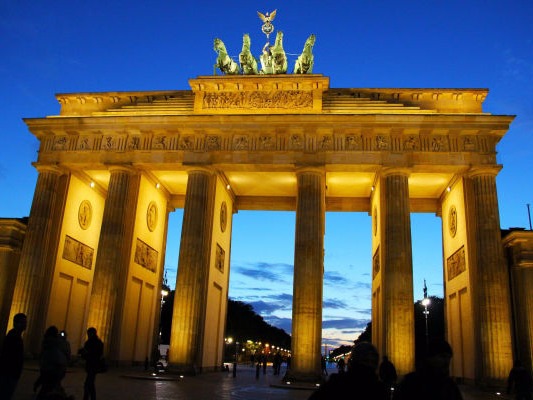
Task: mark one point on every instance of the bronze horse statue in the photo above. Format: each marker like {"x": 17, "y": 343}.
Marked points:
{"x": 304, "y": 63}
{"x": 246, "y": 59}
{"x": 224, "y": 61}
{"x": 279, "y": 58}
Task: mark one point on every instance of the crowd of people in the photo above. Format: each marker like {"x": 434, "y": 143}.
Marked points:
{"x": 54, "y": 359}
{"x": 367, "y": 379}
{"x": 363, "y": 377}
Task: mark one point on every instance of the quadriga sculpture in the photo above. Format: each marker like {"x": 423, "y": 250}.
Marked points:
{"x": 246, "y": 59}
{"x": 304, "y": 63}
{"x": 224, "y": 61}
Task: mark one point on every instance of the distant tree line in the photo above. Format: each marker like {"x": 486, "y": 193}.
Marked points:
{"x": 243, "y": 323}
{"x": 435, "y": 328}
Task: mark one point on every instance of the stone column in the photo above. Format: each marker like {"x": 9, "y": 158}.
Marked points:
{"x": 308, "y": 277}
{"x": 190, "y": 299}
{"x": 12, "y": 232}
{"x": 490, "y": 277}
{"x": 113, "y": 257}
{"x": 519, "y": 249}
{"x": 37, "y": 260}
{"x": 397, "y": 271}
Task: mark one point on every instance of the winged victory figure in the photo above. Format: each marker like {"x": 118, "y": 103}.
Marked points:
{"x": 267, "y": 18}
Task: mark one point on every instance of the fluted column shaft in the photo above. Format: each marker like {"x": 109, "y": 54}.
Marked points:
{"x": 112, "y": 261}
{"x": 37, "y": 260}
{"x": 191, "y": 282}
{"x": 397, "y": 271}
{"x": 492, "y": 298}
{"x": 308, "y": 276}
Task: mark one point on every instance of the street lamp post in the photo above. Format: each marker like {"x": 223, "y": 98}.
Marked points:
{"x": 235, "y": 361}
{"x": 425, "y": 303}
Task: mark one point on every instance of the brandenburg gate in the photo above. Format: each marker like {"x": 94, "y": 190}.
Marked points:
{"x": 113, "y": 165}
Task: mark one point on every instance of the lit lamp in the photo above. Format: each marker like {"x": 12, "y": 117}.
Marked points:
{"x": 164, "y": 293}
{"x": 425, "y": 303}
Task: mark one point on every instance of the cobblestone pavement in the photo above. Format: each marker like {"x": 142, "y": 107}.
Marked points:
{"x": 135, "y": 383}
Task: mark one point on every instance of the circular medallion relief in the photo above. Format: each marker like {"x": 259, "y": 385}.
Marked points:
{"x": 375, "y": 222}
{"x": 151, "y": 216}
{"x": 85, "y": 214}
{"x": 223, "y": 216}
{"x": 452, "y": 221}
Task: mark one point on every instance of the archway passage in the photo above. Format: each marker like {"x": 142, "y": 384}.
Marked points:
{"x": 112, "y": 165}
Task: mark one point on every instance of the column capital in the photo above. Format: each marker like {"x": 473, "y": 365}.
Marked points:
{"x": 311, "y": 170}
{"x": 201, "y": 170}
{"x": 483, "y": 170}
{"x": 125, "y": 168}
{"x": 52, "y": 168}
{"x": 389, "y": 171}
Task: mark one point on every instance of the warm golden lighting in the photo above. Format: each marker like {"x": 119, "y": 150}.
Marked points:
{"x": 91, "y": 184}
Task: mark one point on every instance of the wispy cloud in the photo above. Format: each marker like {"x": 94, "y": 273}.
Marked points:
{"x": 273, "y": 273}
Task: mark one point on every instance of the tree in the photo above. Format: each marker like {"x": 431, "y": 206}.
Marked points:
{"x": 242, "y": 323}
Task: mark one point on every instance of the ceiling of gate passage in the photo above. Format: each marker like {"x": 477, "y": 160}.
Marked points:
{"x": 276, "y": 190}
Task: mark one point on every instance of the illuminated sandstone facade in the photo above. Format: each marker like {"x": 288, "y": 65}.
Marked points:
{"x": 284, "y": 142}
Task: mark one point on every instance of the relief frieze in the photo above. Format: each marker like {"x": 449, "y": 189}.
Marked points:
{"x": 325, "y": 143}
{"x": 382, "y": 142}
{"x": 240, "y": 142}
{"x": 110, "y": 143}
{"x": 456, "y": 263}
{"x": 213, "y": 143}
{"x": 296, "y": 142}
{"x": 411, "y": 143}
{"x": 353, "y": 142}
{"x": 146, "y": 256}
{"x": 84, "y": 143}
{"x": 220, "y": 257}
{"x": 469, "y": 143}
{"x": 159, "y": 143}
{"x": 78, "y": 252}
{"x": 60, "y": 143}
{"x": 273, "y": 99}
{"x": 439, "y": 143}
{"x": 376, "y": 266}
{"x": 134, "y": 142}
{"x": 267, "y": 142}
{"x": 186, "y": 143}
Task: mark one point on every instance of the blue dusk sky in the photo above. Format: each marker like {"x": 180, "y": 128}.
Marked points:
{"x": 49, "y": 47}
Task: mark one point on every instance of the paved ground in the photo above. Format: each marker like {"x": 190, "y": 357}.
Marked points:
{"x": 135, "y": 383}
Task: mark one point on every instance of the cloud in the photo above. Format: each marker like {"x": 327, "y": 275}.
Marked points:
{"x": 334, "y": 278}
{"x": 279, "y": 322}
{"x": 274, "y": 273}
{"x": 334, "y": 304}
{"x": 345, "y": 323}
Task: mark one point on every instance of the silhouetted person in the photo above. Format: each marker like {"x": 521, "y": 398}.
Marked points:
{"x": 520, "y": 381}
{"x": 65, "y": 344}
{"x": 52, "y": 365}
{"x": 92, "y": 352}
{"x": 341, "y": 365}
{"x": 277, "y": 363}
{"x": 359, "y": 382}
{"x": 323, "y": 366}
{"x": 387, "y": 372}
{"x": 432, "y": 379}
{"x": 12, "y": 357}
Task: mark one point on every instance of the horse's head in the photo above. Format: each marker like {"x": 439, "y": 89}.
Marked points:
{"x": 219, "y": 45}
{"x": 310, "y": 40}
{"x": 245, "y": 41}
{"x": 279, "y": 38}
